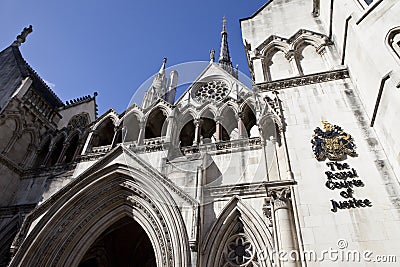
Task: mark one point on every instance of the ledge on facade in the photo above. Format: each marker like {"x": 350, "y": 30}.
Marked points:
{"x": 302, "y": 80}
{"x": 11, "y": 165}
{"x": 247, "y": 188}
{"x": 101, "y": 149}
{"x": 13, "y": 210}
{"x": 224, "y": 146}
{"x": 50, "y": 170}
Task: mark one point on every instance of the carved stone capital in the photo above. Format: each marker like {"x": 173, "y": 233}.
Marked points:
{"x": 280, "y": 196}
{"x": 290, "y": 55}
{"x": 197, "y": 122}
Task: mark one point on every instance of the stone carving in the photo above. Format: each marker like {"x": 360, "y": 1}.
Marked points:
{"x": 303, "y": 80}
{"x": 22, "y": 37}
{"x": 214, "y": 91}
{"x": 281, "y": 197}
{"x": 212, "y": 55}
{"x": 240, "y": 250}
{"x": 332, "y": 143}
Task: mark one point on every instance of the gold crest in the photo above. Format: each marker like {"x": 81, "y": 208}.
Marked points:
{"x": 332, "y": 143}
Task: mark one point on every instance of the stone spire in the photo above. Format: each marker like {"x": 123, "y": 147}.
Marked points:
{"x": 162, "y": 69}
{"x": 158, "y": 87}
{"x": 224, "y": 60}
{"x": 22, "y": 37}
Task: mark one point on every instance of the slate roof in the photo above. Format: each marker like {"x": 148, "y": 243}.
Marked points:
{"x": 13, "y": 69}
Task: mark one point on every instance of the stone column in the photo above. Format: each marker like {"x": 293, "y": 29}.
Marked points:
{"x": 326, "y": 56}
{"x": 284, "y": 225}
{"x": 197, "y": 129}
{"x": 141, "y": 133}
{"x": 30, "y": 155}
{"x": 294, "y": 62}
{"x": 64, "y": 149}
{"x": 241, "y": 127}
{"x": 89, "y": 141}
{"x": 170, "y": 125}
{"x": 46, "y": 159}
{"x": 114, "y": 140}
{"x": 264, "y": 153}
{"x": 281, "y": 130}
{"x": 218, "y": 129}
{"x": 274, "y": 151}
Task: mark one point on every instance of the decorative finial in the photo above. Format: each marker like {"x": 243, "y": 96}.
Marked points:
{"x": 223, "y": 24}
{"x": 162, "y": 69}
{"x": 212, "y": 55}
{"x": 22, "y": 37}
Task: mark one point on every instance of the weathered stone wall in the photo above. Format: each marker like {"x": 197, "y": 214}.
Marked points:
{"x": 373, "y": 66}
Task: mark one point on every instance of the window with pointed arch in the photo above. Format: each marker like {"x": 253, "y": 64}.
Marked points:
{"x": 393, "y": 42}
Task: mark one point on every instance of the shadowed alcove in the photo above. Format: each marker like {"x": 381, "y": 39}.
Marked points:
{"x": 123, "y": 244}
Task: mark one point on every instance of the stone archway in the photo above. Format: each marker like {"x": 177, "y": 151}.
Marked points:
{"x": 79, "y": 216}
{"x": 124, "y": 244}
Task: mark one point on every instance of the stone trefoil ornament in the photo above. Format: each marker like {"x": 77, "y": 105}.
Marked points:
{"x": 332, "y": 142}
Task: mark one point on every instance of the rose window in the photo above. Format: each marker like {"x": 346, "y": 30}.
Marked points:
{"x": 212, "y": 91}
{"x": 240, "y": 250}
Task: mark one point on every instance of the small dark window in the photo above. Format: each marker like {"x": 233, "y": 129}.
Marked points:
{"x": 368, "y": 1}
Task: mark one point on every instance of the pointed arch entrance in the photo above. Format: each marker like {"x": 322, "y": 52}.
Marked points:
{"x": 124, "y": 244}
{"x": 66, "y": 227}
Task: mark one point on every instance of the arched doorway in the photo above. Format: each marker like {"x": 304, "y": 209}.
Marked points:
{"x": 123, "y": 244}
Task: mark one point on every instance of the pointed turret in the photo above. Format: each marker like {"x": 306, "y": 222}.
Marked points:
{"x": 224, "y": 58}
{"x": 158, "y": 88}
{"x": 162, "y": 69}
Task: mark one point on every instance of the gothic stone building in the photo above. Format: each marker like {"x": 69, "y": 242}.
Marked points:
{"x": 306, "y": 160}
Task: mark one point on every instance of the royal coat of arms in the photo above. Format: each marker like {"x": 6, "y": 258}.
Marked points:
{"x": 332, "y": 143}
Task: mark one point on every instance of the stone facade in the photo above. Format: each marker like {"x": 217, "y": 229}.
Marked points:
{"x": 226, "y": 175}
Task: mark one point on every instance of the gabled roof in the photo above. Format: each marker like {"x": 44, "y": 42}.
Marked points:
{"x": 209, "y": 72}
{"x": 13, "y": 69}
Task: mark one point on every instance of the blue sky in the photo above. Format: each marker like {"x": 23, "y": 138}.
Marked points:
{"x": 112, "y": 47}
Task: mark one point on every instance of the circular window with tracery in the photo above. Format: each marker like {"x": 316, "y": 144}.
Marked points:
{"x": 212, "y": 91}
{"x": 240, "y": 251}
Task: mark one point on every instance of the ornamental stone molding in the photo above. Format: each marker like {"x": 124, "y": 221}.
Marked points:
{"x": 281, "y": 197}
{"x": 70, "y": 221}
{"x": 235, "y": 237}
{"x": 302, "y": 80}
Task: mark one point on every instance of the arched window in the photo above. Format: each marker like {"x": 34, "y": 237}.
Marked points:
{"x": 229, "y": 126}
{"x": 310, "y": 60}
{"x": 130, "y": 128}
{"x": 71, "y": 150}
{"x": 57, "y": 149}
{"x": 278, "y": 66}
{"x": 393, "y": 41}
{"x": 249, "y": 121}
{"x": 20, "y": 147}
{"x": 207, "y": 127}
{"x": 42, "y": 153}
{"x": 207, "y": 132}
{"x": 155, "y": 124}
{"x": 104, "y": 133}
{"x": 187, "y": 134}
